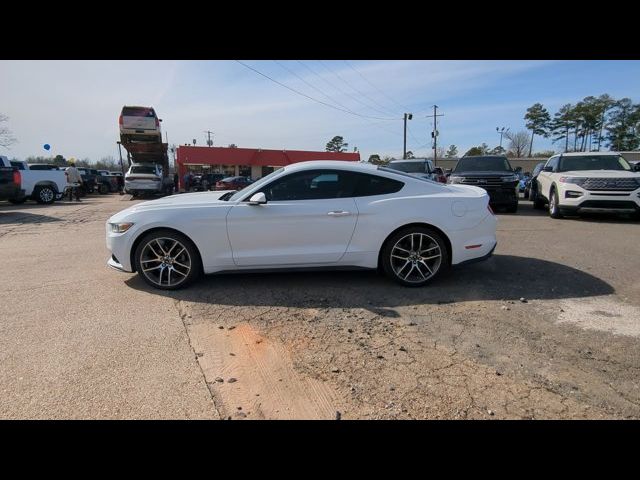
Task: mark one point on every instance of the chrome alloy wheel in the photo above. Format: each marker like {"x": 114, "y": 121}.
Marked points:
{"x": 416, "y": 257}
{"x": 165, "y": 262}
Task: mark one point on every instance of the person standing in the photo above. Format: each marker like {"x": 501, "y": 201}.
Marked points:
{"x": 75, "y": 179}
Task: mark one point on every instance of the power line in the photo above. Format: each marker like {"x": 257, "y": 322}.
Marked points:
{"x": 309, "y": 97}
{"x": 314, "y": 87}
{"x": 404, "y": 108}
{"x": 347, "y": 93}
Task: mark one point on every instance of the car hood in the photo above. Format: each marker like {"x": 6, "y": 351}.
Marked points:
{"x": 601, "y": 174}
{"x": 199, "y": 199}
{"x": 498, "y": 173}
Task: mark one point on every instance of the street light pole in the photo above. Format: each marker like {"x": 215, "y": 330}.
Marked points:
{"x": 501, "y": 131}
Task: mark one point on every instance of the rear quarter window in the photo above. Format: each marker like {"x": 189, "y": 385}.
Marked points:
{"x": 369, "y": 185}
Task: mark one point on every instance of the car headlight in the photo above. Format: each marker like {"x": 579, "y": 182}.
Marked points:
{"x": 453, "y": 179}
{"x": 511, "y": 178}
{"x": 574, "y": 180}
{"x": 120, "y": 227}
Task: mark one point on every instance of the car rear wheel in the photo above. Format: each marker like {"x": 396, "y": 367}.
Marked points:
{"x": 44, "y": 195}
{"x": 167, "y": 260}
{"x": 414, "y": 256}
{"x": 103, "y": 189}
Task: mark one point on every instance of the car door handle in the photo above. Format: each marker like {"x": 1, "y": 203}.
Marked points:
{"x": 338, "y": 213}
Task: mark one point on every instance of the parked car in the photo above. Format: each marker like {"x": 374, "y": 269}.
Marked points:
{"x": 531, "y": 187}
{"x": 233, "y": 183}
{"x": 206, "y": 181}
{"x": 139, "y": 124}
{"x": 328, "y": 214}
{"x": 493, "y": 173}
{"x": 523, "y": 178}
{"x": 440, "y": 175}
{"x": 43, "y": 186}
{"x": 108, "y": 182}
{"x": 580, "y": 182}
{"x": 419, "y": 166}
{"x": 146, "y": 178}
{"x": 11, "y": 184}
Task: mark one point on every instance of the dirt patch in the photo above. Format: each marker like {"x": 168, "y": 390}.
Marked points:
{"x": 253, "y": 377}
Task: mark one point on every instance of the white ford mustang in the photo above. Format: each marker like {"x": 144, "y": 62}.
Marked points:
{"x": 324, "y": 214}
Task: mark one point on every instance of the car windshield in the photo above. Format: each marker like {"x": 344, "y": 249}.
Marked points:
{"x": 143, "y": 169}
{"x": 138, "y": 112}
{"x": 483, "y": 164}
{"x": 409, "y": 167}
{"x": 240, "y": 193}
{"x": 593, "y": 162}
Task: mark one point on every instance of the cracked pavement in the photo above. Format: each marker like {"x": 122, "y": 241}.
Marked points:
{"x": 308, "y": 345}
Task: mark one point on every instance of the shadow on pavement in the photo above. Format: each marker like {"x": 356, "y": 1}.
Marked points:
{"x": 18, "y": 217}
{"x": 503, "y": 277}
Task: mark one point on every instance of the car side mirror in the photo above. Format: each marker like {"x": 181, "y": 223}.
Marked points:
{"x": 258, "y": 199}
{"x": 547, "y": 169}
{"x": 636, "y": 167}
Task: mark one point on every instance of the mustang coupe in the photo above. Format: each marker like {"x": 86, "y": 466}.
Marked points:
{"x": 319, "y": 214}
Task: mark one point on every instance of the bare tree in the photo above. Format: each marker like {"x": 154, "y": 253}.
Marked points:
{"x": 518, "y": 142}
{"x": 6, "y": 135}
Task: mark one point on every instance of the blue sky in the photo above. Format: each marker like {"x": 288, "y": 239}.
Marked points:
{"x": 74, "y": 105}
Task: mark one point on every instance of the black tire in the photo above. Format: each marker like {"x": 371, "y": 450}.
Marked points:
{"x": 18, "y": 201}
{"x": 554, "y": 207}
{"x": 44, "y": 195}
{"x": 103, "y": 189}
{"x": 538, "y": 203}
{"x": 160, "y": 240}
{"x": 393, "y": 266}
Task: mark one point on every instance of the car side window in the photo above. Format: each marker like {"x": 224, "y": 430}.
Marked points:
{"x": 553, "y": 162}
{"x": 18, "y": 164}
{"x": 311, "y": 185}
{"x": 368, "y": 185}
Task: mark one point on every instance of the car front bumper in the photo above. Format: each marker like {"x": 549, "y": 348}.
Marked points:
{"x": 597, "y": 201}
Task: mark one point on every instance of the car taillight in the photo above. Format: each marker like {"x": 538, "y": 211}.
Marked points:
{"x": 17, "y": 178}
{"x": 120, "y": 120}
{"x": 157, "y": 122}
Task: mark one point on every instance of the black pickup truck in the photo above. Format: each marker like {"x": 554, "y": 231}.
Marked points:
{"x": 10, "y": 184}
{"x": 492, "y": 173}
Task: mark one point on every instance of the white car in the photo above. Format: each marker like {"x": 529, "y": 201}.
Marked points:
{"x": 572, "y": 183}
{"x": 43, "y": 186}
{"x": 139, "y": 124}
{"x": 326, "y": 214}
{"x": 144, "y": 178}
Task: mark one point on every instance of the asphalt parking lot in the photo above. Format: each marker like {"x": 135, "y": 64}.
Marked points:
{"x": 78, "y": 340}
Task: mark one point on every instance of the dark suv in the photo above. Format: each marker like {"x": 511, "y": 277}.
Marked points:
{"x": 493, "y": 173}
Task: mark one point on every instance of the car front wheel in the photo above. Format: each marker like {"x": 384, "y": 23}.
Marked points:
{"x": 167, "y": 260}
{"x": 554, "y": 207}
{"x": 414, "y": 256}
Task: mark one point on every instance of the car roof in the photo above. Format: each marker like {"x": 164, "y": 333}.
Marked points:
{"x": 331, "y": 164}
{"x": 591, "y": 154}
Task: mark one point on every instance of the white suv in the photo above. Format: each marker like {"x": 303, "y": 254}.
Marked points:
{"x": 572, "y": 183}
{"x": 139, "y": 124}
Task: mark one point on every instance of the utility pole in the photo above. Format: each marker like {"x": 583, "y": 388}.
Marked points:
{"x": 435, "y": 132}
{"x": 209, "y": 142}
{"x": 407, "y": 116}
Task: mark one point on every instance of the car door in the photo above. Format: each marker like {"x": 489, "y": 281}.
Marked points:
{"x": 309, "y": 219}
{"x": 544, "y": 178}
